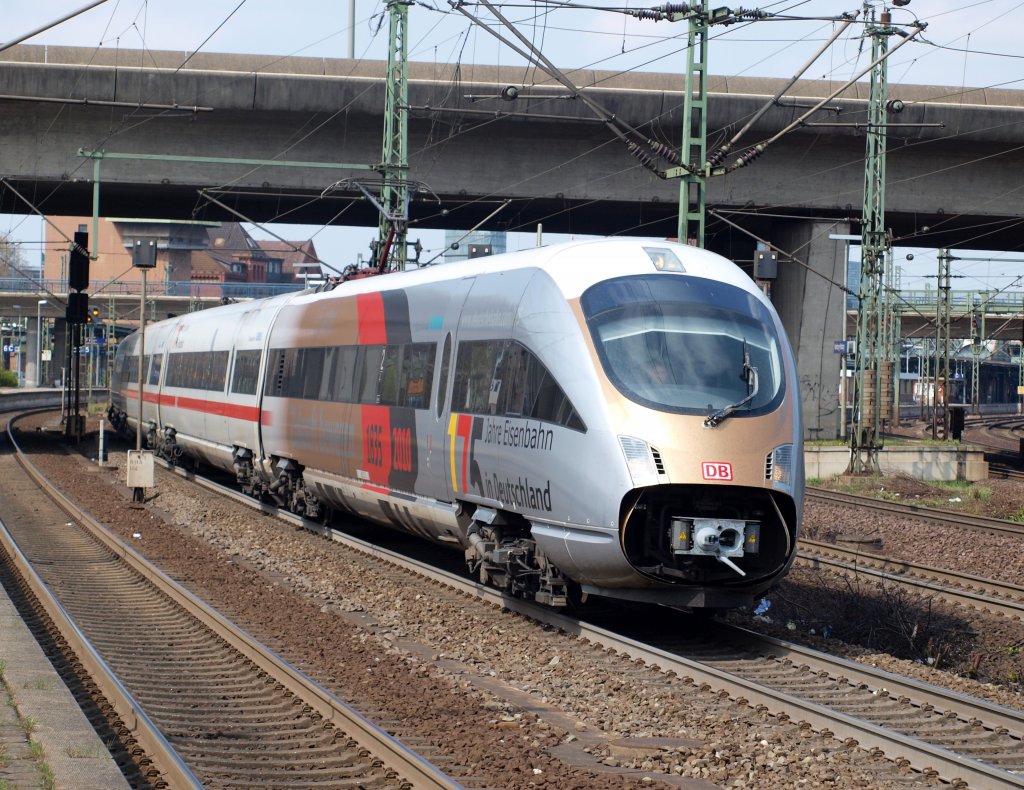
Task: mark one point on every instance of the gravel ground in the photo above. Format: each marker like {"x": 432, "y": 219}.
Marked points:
{"x": 964, "y": 642}
{"x": 522, "y": 707}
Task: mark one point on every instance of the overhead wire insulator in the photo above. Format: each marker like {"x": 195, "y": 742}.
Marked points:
{"x": 644, "y": 158}
{"x": 748, "y": 156}
{"x": 647, "y": 13}
{"x": 664, "y": 151}
{"x": 716, "y": 157}
{"x": 749, "y": 13}
{"x": 666, "y": 11}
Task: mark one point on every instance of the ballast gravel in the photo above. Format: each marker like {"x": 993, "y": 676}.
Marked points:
{"x": 511, "y": 703}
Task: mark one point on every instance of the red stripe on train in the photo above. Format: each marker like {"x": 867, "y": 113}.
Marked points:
{"x": 372, "y": 326}
{"x": 216, "y": 408}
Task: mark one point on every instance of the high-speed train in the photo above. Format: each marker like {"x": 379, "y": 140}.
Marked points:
{"x": 610, "y": 417}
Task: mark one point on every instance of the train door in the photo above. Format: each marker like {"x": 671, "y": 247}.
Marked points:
{"x": 474, "y": 432}
{"x": 435, "y": 475}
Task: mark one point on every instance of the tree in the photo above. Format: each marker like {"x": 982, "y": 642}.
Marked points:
{"x": 12, "y": 262}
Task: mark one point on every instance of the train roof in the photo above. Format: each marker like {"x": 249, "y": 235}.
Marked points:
{"x": 574, "y": 266}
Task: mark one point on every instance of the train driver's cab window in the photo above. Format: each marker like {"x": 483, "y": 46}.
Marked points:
{"x": 686, "y": 344}
{"x": 503, "y": 377}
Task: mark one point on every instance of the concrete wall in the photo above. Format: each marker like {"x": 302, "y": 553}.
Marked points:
{"x": 920, "y": 462}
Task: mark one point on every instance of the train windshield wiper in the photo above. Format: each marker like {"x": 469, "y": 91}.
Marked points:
{"x": 749, "y": 375}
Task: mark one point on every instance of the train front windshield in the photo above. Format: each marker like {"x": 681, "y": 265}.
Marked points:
{"x": 686, "y": 344}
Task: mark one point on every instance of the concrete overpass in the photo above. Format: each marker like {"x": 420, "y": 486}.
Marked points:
{"x": 952, "y": 186}
{"x": 553, "y": 159}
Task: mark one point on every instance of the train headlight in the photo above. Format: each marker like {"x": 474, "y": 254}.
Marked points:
{"x": 640, "y": 461}
{"x": 779, "y": 467}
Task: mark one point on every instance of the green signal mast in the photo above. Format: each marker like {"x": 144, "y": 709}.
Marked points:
{"x": 873, "y": 383}
{"x": 391, "y": 250}
{"x": 693, "y": 185}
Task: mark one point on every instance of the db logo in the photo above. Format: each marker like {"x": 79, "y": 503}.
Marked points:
{"x": 716, "y": 471}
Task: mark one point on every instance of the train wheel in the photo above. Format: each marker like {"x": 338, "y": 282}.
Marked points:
{"x": 575, "y": 596}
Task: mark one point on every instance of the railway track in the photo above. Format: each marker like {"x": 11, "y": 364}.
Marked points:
{"x": 1002, "y": 436}
{"x": 209, "y": 706}
{"x": 995, "y": 526}
{"x": 962, "y": 739}
{"x": 960, "y": 588}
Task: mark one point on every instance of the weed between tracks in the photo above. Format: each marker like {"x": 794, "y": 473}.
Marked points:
{"x": 35, "y": 749}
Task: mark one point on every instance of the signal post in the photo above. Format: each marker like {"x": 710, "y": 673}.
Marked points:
{"x": 140, "y": 473}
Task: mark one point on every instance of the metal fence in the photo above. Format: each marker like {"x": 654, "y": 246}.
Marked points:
{"x": 185, "y": 289}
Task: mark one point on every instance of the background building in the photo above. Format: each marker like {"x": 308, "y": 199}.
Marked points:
{"x": 187, "y": 251}
{"x": 474, "y": 245}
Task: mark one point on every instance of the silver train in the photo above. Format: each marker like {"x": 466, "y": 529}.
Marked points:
{"x": 608, "y": 417}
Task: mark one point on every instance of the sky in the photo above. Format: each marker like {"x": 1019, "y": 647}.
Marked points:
{"x": 966, "y": 45}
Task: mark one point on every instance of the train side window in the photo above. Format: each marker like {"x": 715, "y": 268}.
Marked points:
{"x": 474, "y": 376}
{"x": 418, "y": 375}
{"x": 543, "y": 399}
{"x": 312, "y": 371}
{"x": 132, "y": 370}
{"x": 285, "y": 382}
{"x": 513, "y": 375}
{"x": 154, "y": 369}
{"x": 327, "y": 374}
{"x": 202, "y": 370}
{"x": 442, "y": 386}
{"x": 246, "y": 372}
{"x": 391, "y": 376}
{"x": 275, "y": 372}
{"x": 173, "y": 370}
{"x": 345, "y": 361}
{"x": 368, "y": 374}
{"x": 217, "y": 370}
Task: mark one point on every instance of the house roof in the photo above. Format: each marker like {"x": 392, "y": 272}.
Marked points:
{"x": 231, "y": 238}
{"x": 211, "y": 265}
{"x": 291, "y": 254}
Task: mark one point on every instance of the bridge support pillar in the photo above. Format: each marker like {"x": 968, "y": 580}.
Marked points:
{"x": 31, "y": 351}
{"x": 813, "y": 311}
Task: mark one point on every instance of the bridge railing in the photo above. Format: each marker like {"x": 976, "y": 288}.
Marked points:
{"x": 185, "y": 289}
{"x": 962, "y": 302}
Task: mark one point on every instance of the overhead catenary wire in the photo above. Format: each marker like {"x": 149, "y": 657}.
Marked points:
{"x": 49, "y": 25}
{"x": 618, "y": 127}
{"x": 262, "y": 227}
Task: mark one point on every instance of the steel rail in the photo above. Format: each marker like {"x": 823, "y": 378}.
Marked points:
{"x": 996, "y": 526}
{"x": 922, "y": 755}
{"x": 918, "y": 692}
{"x": 166, "y": 760}
{"x": 394, "y": 755}
{"x": 910, "y": 574}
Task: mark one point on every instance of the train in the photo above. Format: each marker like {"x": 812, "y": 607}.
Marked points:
{"x": 611, "y": 417}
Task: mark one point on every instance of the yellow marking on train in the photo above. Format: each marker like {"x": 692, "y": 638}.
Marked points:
{"x": 452, "y": 423}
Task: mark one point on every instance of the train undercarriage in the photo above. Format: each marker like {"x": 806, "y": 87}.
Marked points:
{"x": 502, "y": 554}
